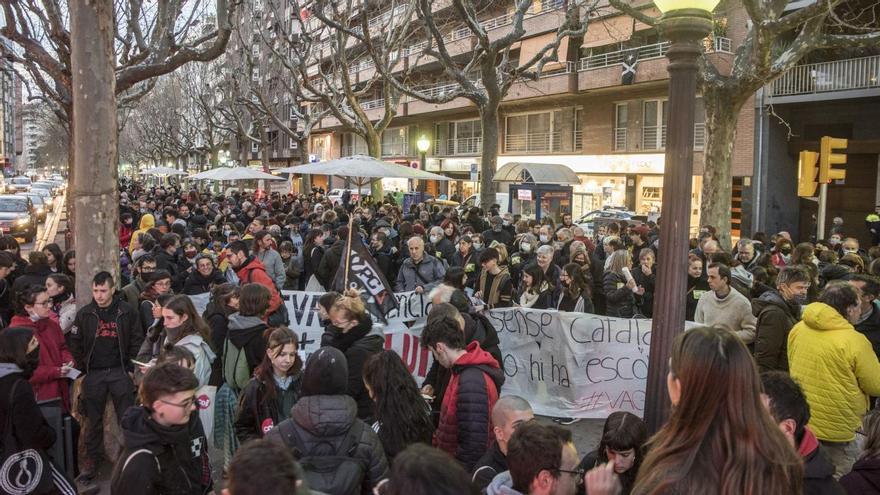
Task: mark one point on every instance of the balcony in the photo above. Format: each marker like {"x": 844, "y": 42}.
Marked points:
{"x": 539, "y": 142}
{"x": 654, "y": 137}
{"x": 395, "y": 149}
{"x": 578, "y": 139}
{"x": 507, "y": 19}
{"x": 648, "y": 52}
{"x": 620, "y": 139}
{"x": 458, "y": 147}
{"x": 699, "y": 135}
{"x": 855, "y": 77}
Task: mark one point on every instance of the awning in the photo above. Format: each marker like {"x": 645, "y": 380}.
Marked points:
{"x": 601, "y": 32}
{"x": 536, "y": 173}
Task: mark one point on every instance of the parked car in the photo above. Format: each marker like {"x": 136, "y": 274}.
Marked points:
{"x": 41, "y": 207}
{"x": 335, "y": 195}
{"x": 49, "y": 186}
{"x": 17, "y": 217}
{"x": 503, "y": 200}
{"x": 596, "y": 218}
{"x": 20, "y": 184}
{"x": 47, "y": 196}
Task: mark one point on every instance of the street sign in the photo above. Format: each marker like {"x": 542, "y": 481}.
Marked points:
{"x": 474, "y": 172}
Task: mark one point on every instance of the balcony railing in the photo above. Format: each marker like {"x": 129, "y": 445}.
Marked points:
{"x": 620, "y": 139}
{"x": 353, "y": 149}
{"x": 531, "y": 143}
{"x": 507, "y": 19}
{"x": 458, "y": 147}
{"x": 395, "y": 149}
{"x": 373, "y": 104}
{"x": 647, "y": 52}
{"x": 699, "y": 135}
{"x": 823, "y": 77}
{"x": 654, "y": 137}
{"x": 578, "y": 138}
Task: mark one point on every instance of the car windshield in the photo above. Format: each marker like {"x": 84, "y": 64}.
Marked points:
{"x": 14, "y": 205}
{"x": 36, "y": 200}
{"x": 42, "y": 185}
{"x": 21, "y": 180}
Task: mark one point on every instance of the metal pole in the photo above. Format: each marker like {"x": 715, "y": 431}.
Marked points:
{"x": 684, "y": 28}
{"x": 423, "y": 184}
{"x": 820, "y": 216}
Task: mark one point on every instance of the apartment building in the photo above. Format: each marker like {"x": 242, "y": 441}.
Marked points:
{"x": 830, "y": 94}
{"x": 7, "y": 110}
{"x": 32, "y": 134}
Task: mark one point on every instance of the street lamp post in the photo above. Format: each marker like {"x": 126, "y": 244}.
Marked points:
{"x": 423, "y": 144}
{"x": 684, "y": 23}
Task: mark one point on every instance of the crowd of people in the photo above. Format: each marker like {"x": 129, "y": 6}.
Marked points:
{"x": 772, "y": 391}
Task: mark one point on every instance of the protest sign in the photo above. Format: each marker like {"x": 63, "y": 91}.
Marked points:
{"x": 566, "y": 364}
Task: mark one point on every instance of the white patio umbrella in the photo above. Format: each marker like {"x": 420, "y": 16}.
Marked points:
{"x": 234, "y": 173}
{"x": 162, "y": 171}
{"x": 362, "y": 169}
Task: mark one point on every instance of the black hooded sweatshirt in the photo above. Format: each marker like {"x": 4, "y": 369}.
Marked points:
{"x": 162, "y": 460}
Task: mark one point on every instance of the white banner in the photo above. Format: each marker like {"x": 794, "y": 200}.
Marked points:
{"x": 566, "y": 364}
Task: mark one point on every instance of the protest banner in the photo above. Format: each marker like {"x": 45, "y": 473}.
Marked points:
{"x": 566, "y": 364}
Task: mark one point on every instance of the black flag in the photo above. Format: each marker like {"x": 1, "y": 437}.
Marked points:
{"x": 365, "y": 276}
{"x": 629, "y": 66}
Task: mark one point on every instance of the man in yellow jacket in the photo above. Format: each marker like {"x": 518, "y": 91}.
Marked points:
{"x": 837, "y": 368}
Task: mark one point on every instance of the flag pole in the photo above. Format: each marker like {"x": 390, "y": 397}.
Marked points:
{"x": 348, "y": 250}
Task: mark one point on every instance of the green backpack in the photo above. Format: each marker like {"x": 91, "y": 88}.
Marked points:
{"x": 236, "y": 371}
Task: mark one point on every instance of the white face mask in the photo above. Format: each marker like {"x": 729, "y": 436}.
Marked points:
{"x": 436, "y": 238}
{"x": 478, "y": 245}
{"x": 525, "y": 247}
{"x": 544, "y": 238}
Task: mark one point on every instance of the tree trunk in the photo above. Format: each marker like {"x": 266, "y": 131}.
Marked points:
{"x": 722, "y": 112}
{"x": 374, "y": 148}
{"x": 306, "y": 184}
{"x": 71, "y": 177}
{"x": 489, "y": 156}
{"x": 95, "y": 186}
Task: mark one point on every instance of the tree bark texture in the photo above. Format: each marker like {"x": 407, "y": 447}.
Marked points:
{"x": 95, "y": 184}
{"x": 489, "y": 119}
{"x": 722, "y": 112}
{"x": 374, "y": 148}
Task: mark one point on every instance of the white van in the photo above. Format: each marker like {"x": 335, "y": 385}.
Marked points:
{"x": 503, "y": 200}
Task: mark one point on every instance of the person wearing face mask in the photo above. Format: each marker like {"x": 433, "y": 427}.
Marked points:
{"x": 442, "y": 248}
{"x": 353, "y": 333}
{"x": 782, "y": 255}
{"x": 837, "y": 368}
{"x": 777, "y": 311}
{"x": 56, "y": 362}
{"x": 383, "y": 253}
{"x": 184, "y": 327}
{"x": 19, "y": 357}
{"x": 467, "y": 258}
{"x": 523, "y": 257}
{"x": 497, "y": 233}
{"x": 869, "y": 321}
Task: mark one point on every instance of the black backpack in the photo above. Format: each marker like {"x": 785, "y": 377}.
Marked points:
{"x": 342, "y": 473}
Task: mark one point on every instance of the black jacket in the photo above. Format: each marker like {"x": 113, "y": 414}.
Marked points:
{"x": 775, "y": 317}
{"x": 492, "y": 463}
{"x": 82, "y": 333}
{"x": 620, "y": 301}
{"x": 696, "y": 288}
{"x": 330, "y": 262}
{"x": 358, "y": 344}
{"x": 864, "y": 478}
{"x": 470, "y": 264}
{"x": 174, "y": 266}
{"x": 323, "y": 421}
{"x": 311, "y": 261}
{"x": 160, "y": 459}
{"x": 819, "y": 476}
{"x": 870, "y": 327}
{"x": 256, "y": 414}
{"x": 30, "y": 428}
{"x": 444, "y": 250}
{"x": 646, "y": 300}
{"x": 196, "y": 283}
{"x": 218, "y": 322}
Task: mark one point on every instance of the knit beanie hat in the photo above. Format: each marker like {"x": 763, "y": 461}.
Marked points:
{"x": 326, "y": 373}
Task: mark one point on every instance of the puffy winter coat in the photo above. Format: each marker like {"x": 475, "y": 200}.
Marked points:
{"x": 465, "y": 429}
{"x": 837, "y": 368}
{"x": 205, "y": 356}
{"x": 427, "y": 274}
{"x": 775, "y": 318}
{"x": 323, "y": 421}
{"x": 47, "y": 380}
{"x": 256, "y": 414}
{"x": 196, "y": 283}
{"x": 252, "y": 271}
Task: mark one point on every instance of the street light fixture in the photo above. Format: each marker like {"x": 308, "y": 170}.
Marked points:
{"x": 684, "y": 23}
{"x": 423, "y": 145}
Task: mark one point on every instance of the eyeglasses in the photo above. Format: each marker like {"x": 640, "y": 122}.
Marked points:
{"x": 578, "y": 475}
{"x": 43, "y": 303}
{"x": 185, "y": 404}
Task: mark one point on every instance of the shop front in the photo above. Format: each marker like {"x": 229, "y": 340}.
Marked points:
{"x": 457, "y": 169}
{"x": 538, "y": 190}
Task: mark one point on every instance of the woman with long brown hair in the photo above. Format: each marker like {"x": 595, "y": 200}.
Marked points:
{"x": 269, "y": 397}
{"x": 184, "y": 327}
{"x": 720, "y": 439}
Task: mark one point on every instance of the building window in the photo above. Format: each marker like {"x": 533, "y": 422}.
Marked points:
{"x": 291, "y": 112}
{"x": 578, "y": 129}
{"x": 255, "y": 74}
{"x": 394, "y": 142}
{"x": 255, "y": 147}
{"x": 530, "y": 133}
{"x": 352, "y": 144}
{"x": 292, "y": 144}
{"x": 255, "y": 50}
{"x": 654, "y": 125}
{"x": 621, "y": 118}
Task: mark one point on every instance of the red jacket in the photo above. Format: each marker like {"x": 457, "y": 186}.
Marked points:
{"x": 47, "y": 380}
{"x": 465, "y": 429}
{"x": 253, "y": 272}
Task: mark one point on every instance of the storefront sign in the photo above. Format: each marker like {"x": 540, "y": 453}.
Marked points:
{"x": 649, "y": 163}
{"x": 524, "y": 195}
{"x": 453, "y": 165}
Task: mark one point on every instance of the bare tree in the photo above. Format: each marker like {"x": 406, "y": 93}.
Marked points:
{"x": 777, "y": 40}
{"x": 147, "y": 40}
{"x": 486, "y": 74}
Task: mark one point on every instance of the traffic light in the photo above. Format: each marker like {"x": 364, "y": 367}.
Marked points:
{"x": 807, "y": 174}
{"x": 827, "y": 159}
